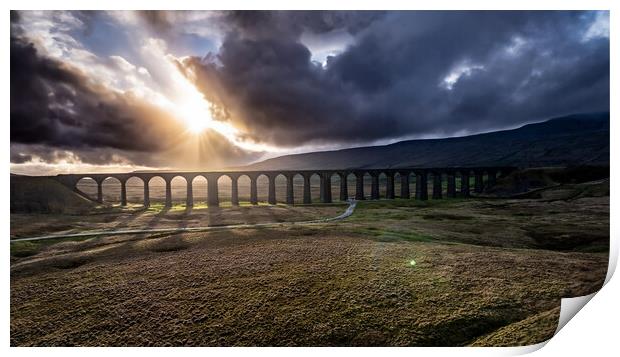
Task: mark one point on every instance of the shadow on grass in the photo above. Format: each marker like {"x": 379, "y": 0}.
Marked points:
{"x": 158, "y": 217}
{"x": 29, "y": 248}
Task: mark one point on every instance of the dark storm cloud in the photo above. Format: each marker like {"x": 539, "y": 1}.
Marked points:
{"x": 20, "y": 158}
{"x": 14, "y": 16}
{"x": 214, "y": 152}
{"x": 291, "y": 24}
{"x": 22, "y": 153}
{"x": 57, "y": 113}
{"x": 55, "y": 104}
{"x": 158, "y": 20}
{"x": 515, "y": 67}
{"x": 388, "y": 82}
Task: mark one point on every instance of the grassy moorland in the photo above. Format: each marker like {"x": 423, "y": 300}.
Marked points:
{"x": 397, "y": 272}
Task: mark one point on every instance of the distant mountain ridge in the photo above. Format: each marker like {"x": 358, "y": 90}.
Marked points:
{"x": 579, "y": 139}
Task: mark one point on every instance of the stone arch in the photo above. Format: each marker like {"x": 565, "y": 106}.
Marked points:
{"x": 199, "y": 188}
{"x": 383, "y": 182}
{"x": 412, "y": 184}
{"x": 351, "y": 184}
{"x": 135, "y": 189}
{"x": 397, "y": 185}
{"x": 157, "y": 188}
{"x": 178, "y": 184}
{"x": 367, "y": 184}
{"x": 88, "y": 187}
{"x": 334, "y": 185}
{"x": 111, "y": 187}
{"x": 243, "y": 184}
{"x": 315, "y": 186}
{"x": 280, "y": 182}
{"x": 298, "y": 187}
{"x": 224, "y": 188}
{"x": 262, "y": 187}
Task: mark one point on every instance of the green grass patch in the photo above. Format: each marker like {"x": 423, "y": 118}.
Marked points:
{"x": 388, "y": 235}
{"x": 28, "y": 248}
{"x": 400, "y": 203}
{"x": 438, "y": 216}
{"x": 397, "y": 209}
{"x": 24, "y": 249}
{"x": 176, "y": 207}
{"x": 594, "y": 248}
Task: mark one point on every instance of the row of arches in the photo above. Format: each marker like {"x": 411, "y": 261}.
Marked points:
{"x": 284, "y": 187}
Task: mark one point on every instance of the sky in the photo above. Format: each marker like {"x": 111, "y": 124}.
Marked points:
{"x": 104, "y": 91}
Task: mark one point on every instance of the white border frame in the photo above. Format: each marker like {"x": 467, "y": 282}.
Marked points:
{"x": 592, "y": 330}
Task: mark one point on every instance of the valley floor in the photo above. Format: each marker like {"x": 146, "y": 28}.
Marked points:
{"x": 398, "y": 273}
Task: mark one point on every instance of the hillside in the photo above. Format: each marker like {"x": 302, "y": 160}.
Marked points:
{"x": 44, "y": 195}
{"x": 580, "y": 139}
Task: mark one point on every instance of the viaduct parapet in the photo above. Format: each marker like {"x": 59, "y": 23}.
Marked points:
{"x": 422, "y": 175}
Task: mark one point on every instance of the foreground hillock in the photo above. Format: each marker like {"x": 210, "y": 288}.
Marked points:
{"x": 44, "y": 195}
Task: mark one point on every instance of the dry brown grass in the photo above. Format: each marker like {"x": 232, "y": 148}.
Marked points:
{"x": 26, "y": 225}
{"x": 481, "y": 280}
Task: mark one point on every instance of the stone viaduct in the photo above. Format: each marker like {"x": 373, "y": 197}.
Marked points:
{"x": 421, "y": 178}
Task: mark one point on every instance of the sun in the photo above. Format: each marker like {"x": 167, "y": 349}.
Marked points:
{"x": 196, "y": 124}
{"x": 194, "y": 112}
